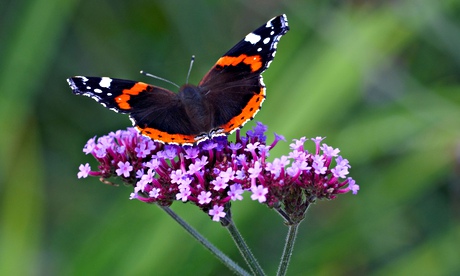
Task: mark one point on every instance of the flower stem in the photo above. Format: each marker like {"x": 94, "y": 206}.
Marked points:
{"x": 244, "y": 249}
{"x": 288, "y": 248}
{"x": 282, "y": 213}
{"x": 214, "y": 250}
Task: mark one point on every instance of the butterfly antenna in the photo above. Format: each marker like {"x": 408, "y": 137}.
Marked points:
{"x": 159, "y": 78}
{"x": 190, "y": 68}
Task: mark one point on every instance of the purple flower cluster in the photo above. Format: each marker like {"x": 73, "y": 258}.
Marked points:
{"x": 218, "y": 171}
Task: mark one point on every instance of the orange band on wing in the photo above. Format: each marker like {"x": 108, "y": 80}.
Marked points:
{"x": 123, "y": 99}
{"x": 247, "y": 113}
{"x": 165, "y": 137}
{"x": 254, "y": 61}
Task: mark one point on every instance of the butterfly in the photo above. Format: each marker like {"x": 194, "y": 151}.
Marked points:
{"x": 227, "y": 97}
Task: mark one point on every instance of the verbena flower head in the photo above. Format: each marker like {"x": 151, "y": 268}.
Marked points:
{"x": 216, "y": 172}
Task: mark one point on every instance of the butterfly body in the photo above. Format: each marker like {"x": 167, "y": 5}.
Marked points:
{"x": 198, "y": 108}
{"x": 228, "y": 96}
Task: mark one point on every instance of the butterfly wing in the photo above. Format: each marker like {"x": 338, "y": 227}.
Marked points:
{"x": 156, "y": 112}
{"x": 234, "y": 87}
{"x": 231, "y": 93}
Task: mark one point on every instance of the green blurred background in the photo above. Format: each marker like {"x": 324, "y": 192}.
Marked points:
{"x": 380, "y": 79}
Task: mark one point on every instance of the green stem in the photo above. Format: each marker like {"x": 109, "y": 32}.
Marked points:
{"x": 282, "y": 213}
{"x": 244, "y": 249}
{"x": 214, "y": 250}
{"x": 288, "y": 248}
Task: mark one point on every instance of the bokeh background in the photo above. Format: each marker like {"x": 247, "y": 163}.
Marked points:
{"x": 379, "y": 79}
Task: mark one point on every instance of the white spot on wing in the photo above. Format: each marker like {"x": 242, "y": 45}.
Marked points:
{"x": 266, "y": 40}
{"x": 252, "y": 38}
{"x": 261, "y": 81}
{"x": 97, "y": 90}
{"x": 132, "y": 120}
{"x": 72, "y": 84}
{"x": 83, "y": 79}
{"x": 270, "y": 61}
{"x": 285, "y": 19}
{"x": 105, "y": 82}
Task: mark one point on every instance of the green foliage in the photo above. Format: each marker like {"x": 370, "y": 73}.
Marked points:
{"x": 380, "y": 79}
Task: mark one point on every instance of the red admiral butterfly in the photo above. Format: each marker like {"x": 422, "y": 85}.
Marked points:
{"x": 227, "y": 97}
